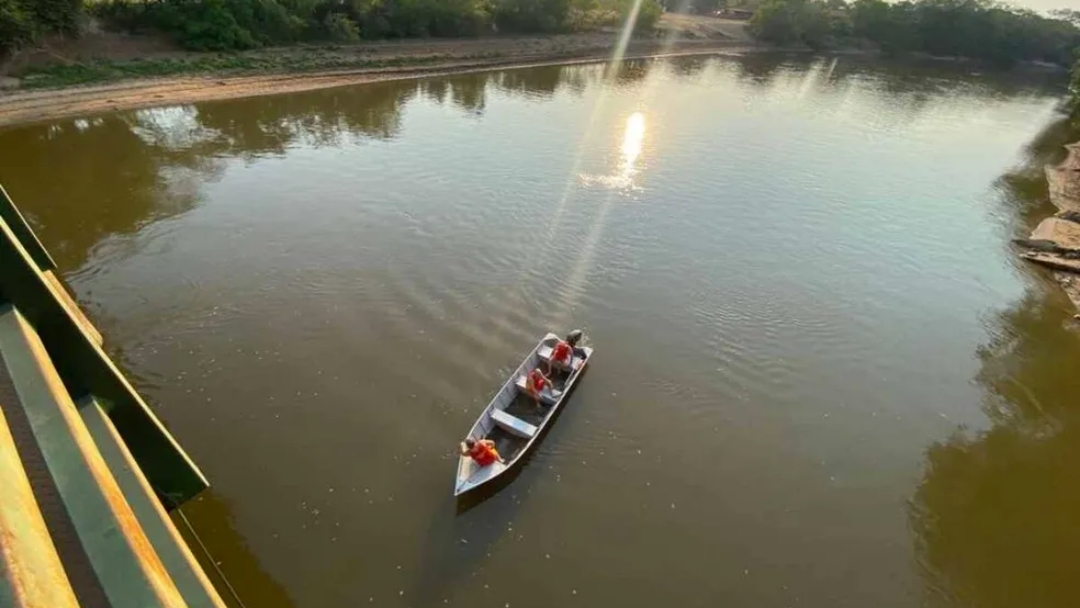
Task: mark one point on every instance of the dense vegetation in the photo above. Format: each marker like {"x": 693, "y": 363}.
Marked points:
{"x": 978, "y": 29}
{"x": 1072, "y": 103}
{"x": 243, "y": 24}
{"x": 22, "y": 21}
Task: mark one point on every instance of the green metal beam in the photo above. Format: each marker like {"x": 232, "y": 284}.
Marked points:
{"x": 86, "y": 370}
{"x": 181, "y": 565}
{"x": 129, "y": 569}
{"x": 15, "y": 220}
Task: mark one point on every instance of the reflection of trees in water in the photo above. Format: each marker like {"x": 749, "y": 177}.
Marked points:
{"x": 689, "y": 66}
{"x": 535, "y": 82}
{"x": 908, "y": 84}
{"x": 995, "y": 515}
{"x": 760, "y": 68}
{"x": 211, "y": 520}
{"x": 467, "y": 92}
{"x": 630, "y": 72}
{"x": 80, "y": 181}
{"x": 269, "y": 125}
{"x": 1024, "y": 188}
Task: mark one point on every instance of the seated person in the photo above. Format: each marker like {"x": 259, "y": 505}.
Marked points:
{"x": 483, "y": 451}
{"x": 563, "y": 353}
{"x": 538, "y": 385}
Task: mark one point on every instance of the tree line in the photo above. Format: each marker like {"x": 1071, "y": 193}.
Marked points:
{"x": 976, "y": 29}
{"x": 219, "y": 25}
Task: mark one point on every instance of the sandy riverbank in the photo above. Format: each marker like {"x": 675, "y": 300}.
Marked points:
{"x": 288, "y": 70}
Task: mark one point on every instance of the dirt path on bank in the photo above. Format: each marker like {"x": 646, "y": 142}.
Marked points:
{"x": 353, "y": 65}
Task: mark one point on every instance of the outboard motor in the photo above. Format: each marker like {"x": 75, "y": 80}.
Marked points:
{"x": 574, "y": 337}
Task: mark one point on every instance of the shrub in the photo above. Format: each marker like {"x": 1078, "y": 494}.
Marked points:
{"x": 21, "y": 21}
{"x": 339, "y": 28}
{"x": 531, "y": 15}
{"x": 16, "y": 27}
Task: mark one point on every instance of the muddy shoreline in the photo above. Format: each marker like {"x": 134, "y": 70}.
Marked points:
{"x": 364, "y": 63}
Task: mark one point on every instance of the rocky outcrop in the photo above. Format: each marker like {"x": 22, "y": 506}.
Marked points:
{"x": 1064, "y": 181}
{"x": 1055, "y": 242}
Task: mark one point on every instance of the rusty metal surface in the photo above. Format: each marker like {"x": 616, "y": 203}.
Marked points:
{"x": 31, "y": 569}
{"x": 66, "y": 298}
{"x": 126, "y": 564}
{"x": 185, "y": 570}
{"x": 75, "y": 562}
{"x": 86, "y": 369}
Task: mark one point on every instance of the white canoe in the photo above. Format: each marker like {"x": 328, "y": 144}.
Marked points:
{"x": 513, "y": 421}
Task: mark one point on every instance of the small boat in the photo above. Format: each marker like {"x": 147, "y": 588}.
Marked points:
{"x": 513, "y": 420}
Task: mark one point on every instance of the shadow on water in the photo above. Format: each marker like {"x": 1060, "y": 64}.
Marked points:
{"x": 461, "y": 539}
{"x": 482, "y": 494}
{"x": 210, "y": 518}
{"x": 994, "y": 515}
{"x": 462, "y": 536}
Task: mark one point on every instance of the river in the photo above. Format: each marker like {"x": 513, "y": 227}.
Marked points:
{"x": 821, "y": 377}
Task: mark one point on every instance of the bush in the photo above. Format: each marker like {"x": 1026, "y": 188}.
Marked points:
{"x": 16, "y": 27}
{"x": 649, "y": 13}
{"x": 219, "y": 25}
{"x": 208, "y": 25}
{"x": 531, "y": 15}
{"x": 60, "y": 16}
{"x": 978, "y": 29}
{"x": 797, "y": 22}
{"x": 339, "y": 28}
{"x": 21, "y": 21}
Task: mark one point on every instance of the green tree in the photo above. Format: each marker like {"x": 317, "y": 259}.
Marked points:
{"x": 794, "y": 22}
{"x": 978, "y": 29}
{"x": 22, "y": 21}
{"x": 531, "y": 15}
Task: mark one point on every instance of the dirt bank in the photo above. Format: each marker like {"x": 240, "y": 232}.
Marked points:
{"x": 122, "y": 81}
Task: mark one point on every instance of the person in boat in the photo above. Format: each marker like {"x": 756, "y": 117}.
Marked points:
{"x": 483, "y": 451}
{"x": 563, "y": 353}
{"x": 538, "y": 384}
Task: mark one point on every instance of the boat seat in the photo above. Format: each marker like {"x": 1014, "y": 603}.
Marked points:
{"x": 550, "y": 397}
{"x": 513, "y": 424}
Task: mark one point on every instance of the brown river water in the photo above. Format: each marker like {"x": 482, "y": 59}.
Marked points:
{"x": 821, "y": 378}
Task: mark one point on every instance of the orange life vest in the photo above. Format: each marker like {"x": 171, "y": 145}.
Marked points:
{"x": 562, "y": 352}
{"x": 483, "y": 454}
{"x": 538, "y": 381}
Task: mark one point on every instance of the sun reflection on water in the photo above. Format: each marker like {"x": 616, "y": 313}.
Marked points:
{"x": 629, "y": 154}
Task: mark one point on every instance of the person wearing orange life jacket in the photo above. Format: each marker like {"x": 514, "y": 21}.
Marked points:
{"x": 483, "y": 452}
{"x": 538, "y": 384}
{"x": 563, "y": 353}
